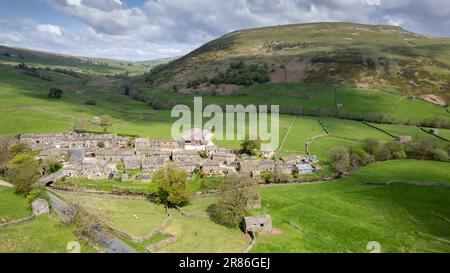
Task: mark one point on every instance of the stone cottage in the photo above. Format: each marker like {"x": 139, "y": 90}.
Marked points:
{"x": 211, "y": 168}
{"x": 151, "y": 164}
{"x": 184, "y": 155}
{"x": 132, "y": 162}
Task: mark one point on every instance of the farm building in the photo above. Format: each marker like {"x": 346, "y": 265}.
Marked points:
{"x": 261, "y": 224}
{"x": 404, "y": 139}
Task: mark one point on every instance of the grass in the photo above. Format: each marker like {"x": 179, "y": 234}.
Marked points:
{"x": 201, "y": 235}
{"x": 353, "y": 130}
{"x": 12, "y": 205}
{"x": 407, "y": 170}
{"x": 105, "y": 185}
{"x": 413, "y": 131}
{"x": 422, "y": 110}
{"x": 193, "y": 234}
{"x": 303, "y": 129}
{"x": 136, "y": 217}
{"x": 344, "y": 216}
{"x": 322, "y": 146}
{"x": 44, "y": 234}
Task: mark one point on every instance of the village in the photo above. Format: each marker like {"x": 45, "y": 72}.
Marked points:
{"x": 103, "y": 156}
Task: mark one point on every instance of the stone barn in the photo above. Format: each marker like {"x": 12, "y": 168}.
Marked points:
{"x": 260, "y": 224}
{"x": 40, "y": 206}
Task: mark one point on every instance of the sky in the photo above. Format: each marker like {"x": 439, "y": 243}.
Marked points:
{"x": 139, "y": 30}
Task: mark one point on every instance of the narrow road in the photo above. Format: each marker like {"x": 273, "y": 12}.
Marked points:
{"x": 110, "y": 242}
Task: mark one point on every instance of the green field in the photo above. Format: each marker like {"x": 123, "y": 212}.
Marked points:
{"x": 422, "y": 110}
{"x": 405, "y": 170}
{"x": 413, "y": 131}
{"x": 322, "y": 146}
{"x": 136, "y": 217}
{"x": 44, "y": 234}
{"x": 104, "y": 185}
{"x": 343, "y": 216}
{"x": 303, "y": 129}
{"x": 12, "y": 206}
{"x": 139, "y": 217}
{"x": 352, "y": 130}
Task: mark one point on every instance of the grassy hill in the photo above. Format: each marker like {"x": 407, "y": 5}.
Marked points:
{"x": 364, "y": 56}
{"x": 14, "y": 56}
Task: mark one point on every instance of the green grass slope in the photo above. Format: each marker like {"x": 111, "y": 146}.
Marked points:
{"x": 344, "y": 216}
{"x": 368, "y": 56}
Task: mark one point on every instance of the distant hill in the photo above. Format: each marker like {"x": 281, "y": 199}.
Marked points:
{"x": 10, "y": 55}
{"x": 364, "y": 56}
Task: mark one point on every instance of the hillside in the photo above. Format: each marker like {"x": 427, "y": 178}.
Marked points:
{"x": 363, "y": 56}
{"x": 14, "y": 56}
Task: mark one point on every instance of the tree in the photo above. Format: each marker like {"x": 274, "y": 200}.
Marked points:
{"x": 23, "y": 172}
{"x": 340, "y": 159}
{"x": 359, "y": 158}
{"x": 250, "y": 147}
{"x": 101, "y": 144}
{"x": 383, "y": 153}
{"x": 234, "y": 195}
{"x": 105, "y": 122}
{"x": 55, "y": 93}
{"x": 80, "y": 125}
{"x": 19, "y": 148}
{"x": 51, "y": 164}
{"x": 169, "y": 185}
{"x": 127, "y": 89}
{"x": 5, "y": 155}
{"x": 441, "y": 155}
{"x": 371, "y": 145}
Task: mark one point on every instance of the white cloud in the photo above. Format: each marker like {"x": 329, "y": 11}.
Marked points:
{"x": 163, "y": 28}
{"x": 52, "y": 29}
{"x": 74, "y": 3}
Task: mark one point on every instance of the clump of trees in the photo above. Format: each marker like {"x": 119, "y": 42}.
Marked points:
{"x": 250, "y": 147}
{"x": 235, "y": 193}
{"x": 275, "y": 177}
{"x": 344, "y": 159}
{"x": 23, "y": 172}
{"x": 169, "y": 186}
{"x": 55, "y": 93}
{"x": 241, "y": 74}
{"x": 50, "y": 164}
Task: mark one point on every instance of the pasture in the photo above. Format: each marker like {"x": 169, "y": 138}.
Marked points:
{"x": 139, "y": 217}
{"x": 344, "y": 216}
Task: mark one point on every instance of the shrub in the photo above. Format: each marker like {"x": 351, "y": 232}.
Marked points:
{"x": 23, "y": 172}
{"x": 91, "y": 102}
{"x": 275, "y": 178}
{"x": 55, "y": 93}
{"x": 234, "y": 194}
{"x": 37, "y": 194}
{"x": 441, "y": 155}
{"x": 101, "y": 144}
{"x": 169, "y": 185}
{"x": 340, "y": 159}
